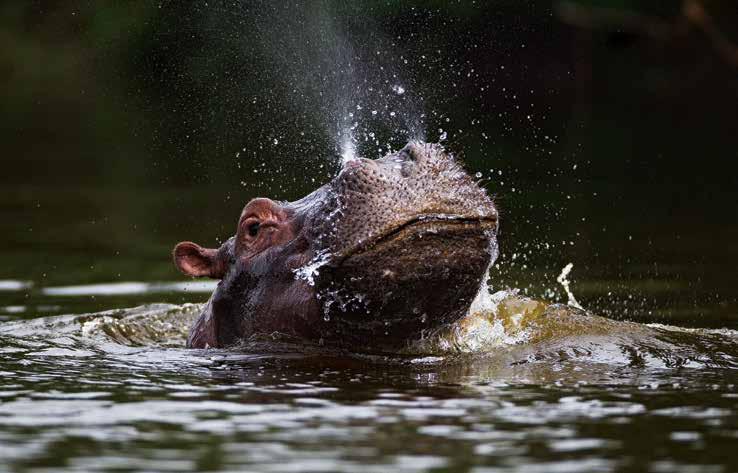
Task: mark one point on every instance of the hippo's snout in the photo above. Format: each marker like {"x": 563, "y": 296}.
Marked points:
{"x": 411, "y": 239}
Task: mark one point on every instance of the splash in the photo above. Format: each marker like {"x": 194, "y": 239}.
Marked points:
{"x": 486, "y": 300}
{"x": 310, "y": 270}
{"x": 494, "y": 321}
{"x": 361, "y": 95}
{"x": 398, "y": 89}
{"x": 564, "y": 281}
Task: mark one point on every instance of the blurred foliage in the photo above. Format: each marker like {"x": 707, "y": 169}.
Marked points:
{"x": 63, "y": 89}
{"x": 169, "y": 92}
{"x": 668, "y": 9}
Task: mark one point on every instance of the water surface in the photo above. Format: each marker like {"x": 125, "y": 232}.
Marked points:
{"x": 116, "y": 391}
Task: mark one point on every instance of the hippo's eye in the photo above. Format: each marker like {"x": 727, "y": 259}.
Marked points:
{"x": 253, "y": 229}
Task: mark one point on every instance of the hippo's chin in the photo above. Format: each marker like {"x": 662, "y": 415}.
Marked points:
{"x": 372, "y": 294}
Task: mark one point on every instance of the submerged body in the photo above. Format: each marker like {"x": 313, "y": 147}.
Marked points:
{"x": 388, "y": 252}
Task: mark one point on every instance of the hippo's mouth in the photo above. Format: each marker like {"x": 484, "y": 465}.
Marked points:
{"x": 417, "y": 275}
{"x": 432, "y": 224}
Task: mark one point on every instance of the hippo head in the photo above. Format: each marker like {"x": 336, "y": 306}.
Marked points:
{"x": 390, "y": 250}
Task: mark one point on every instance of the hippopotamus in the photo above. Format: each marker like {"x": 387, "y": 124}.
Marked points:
{"x": 388, "y": 252}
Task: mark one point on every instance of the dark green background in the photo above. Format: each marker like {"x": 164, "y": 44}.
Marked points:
{"x": 121, "y": 122}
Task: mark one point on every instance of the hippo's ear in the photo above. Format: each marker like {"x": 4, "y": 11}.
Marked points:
{"x": 194, "y": 260}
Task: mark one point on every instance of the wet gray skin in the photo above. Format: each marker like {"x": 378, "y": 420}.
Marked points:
{"x": 388, "y": 252}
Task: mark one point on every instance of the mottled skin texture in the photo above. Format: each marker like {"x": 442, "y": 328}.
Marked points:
{"x": 386, "y": 253}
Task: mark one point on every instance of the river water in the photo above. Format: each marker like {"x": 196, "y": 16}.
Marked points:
{"x": 94, "y": 375}
{"x": 131, "y": 129}
{"x": 553, "y": 391}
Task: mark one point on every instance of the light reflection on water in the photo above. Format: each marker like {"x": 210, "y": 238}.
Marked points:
{"x": 48, "y": 300}
{"x": 115, "y": 391}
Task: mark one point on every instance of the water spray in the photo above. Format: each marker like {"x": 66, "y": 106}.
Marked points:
{"x": 564, "y": 281}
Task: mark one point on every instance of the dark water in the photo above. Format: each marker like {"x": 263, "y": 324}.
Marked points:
{"x": 127, "y": 129}
{"x": 116, "y": 391}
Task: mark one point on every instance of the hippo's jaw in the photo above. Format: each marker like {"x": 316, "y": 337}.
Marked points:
{"x": 405, "y": 285}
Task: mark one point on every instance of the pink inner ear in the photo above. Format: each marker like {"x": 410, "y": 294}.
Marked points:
{"x": 193, "y": 260}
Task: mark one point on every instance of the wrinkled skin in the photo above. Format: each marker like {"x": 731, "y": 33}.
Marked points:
{"x": 391, "y": 250}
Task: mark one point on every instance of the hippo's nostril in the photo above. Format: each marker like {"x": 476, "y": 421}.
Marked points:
{"x": 408, "y": 152}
